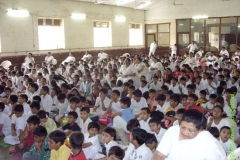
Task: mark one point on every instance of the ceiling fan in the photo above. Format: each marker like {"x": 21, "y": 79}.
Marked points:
{"x": 176, "y": 4}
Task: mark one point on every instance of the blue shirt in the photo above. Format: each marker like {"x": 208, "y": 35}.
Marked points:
{"x": 127, "y": 114}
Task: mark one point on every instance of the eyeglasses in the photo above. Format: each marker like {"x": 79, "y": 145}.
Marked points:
{"x": 184, "y": 129}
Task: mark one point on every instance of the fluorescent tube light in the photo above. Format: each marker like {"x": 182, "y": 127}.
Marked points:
{"x": 200, "y": 17}
{"x": 120, "y": 18}
{"x": 143, "y": 4}
{"x": 78, "y": 16}
{"x": 18, "y": 13}
{"x": 121, "y": 2}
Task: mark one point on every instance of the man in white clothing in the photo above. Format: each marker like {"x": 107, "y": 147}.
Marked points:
{"x": 192, "y": 47}
{"x": 70, "y": 59}
{"x": 153, "y": 47}
{"x": 102, "y": 55}
{"x": 174, "y": 50}
{"x": 223, "y": 53}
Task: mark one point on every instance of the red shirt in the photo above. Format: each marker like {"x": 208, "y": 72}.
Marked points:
{"x": 79, "y": 156}
{"x": 29, "y": 140}
{"x": 195, "y": 107}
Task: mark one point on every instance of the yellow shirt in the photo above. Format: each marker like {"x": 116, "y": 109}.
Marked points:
{"x": 50, "y": 125}
{"x": 61, "y": 154}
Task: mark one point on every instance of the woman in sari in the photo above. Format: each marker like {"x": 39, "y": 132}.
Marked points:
{"x": 141, "y": 70}
{"x": 127, "y": 71}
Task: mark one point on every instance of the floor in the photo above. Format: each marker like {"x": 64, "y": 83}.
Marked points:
{"x": 4, "y": 154}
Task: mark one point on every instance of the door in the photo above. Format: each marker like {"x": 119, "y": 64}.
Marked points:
{"x": 183, "y": 40}
{"x": 150, "y": 39}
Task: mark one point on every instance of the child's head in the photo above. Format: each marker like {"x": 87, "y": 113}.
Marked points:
{"x": 72, "y": 117}
{"x": 103, "y": 93}
{"x": 35, "y": 107}
{"x": 212, "y": 98}
{"x": 113, "y": 83}
{"x": 33, "y": 87}
{"x": 84, "y": 113}
{"x": 190, "y": 89}
{"x": 115, "y": 153}
{"x": 137, "y": 94}
{"x": 22, "y": 98}
{"x": 214, "y": 131}
{"x": 161, "y": 98}
{"x": 44, "y": 91}
{"x": 132, "y": 124}
{"x": 125, "y": 86}
{"x": 18, "y": 110}
{"x": 7, "y": 91}
{"x": 138, "y": 137}
{"x": 12, "y": 99}
{"x": 218, "y": 112}
{"x": 2, "y": 106}
{"x": 74, "y": 102}
{"x": 37, "y": 98}
{"x": 93, "y": 129}
{"x": 152, "y": 93}
{"x": 131, "y": 89}
{"x": 109, "y": 134}
{"x": 143, "y": 83}
{"x": 225, "y": 133}
{"x": 125, "y": 102}
{"x": 115, "y": 95}
{"x": 145, "y": 113}
{"x": 174, "y": 100}
{"x": 191, "y": 100}
{"x": 61, "y": 97}
{"x": 151, "y": 141}
{"x": 39, "y": 134}
{"x": 119, "y": 83}
{"x": 56, "y": 139}
{"x": 202, "y": 94}
{"x": 180, "y": 113}
{"x": 76, "y": 140}
{"x": 33, "y": 122}
{"x": 42, "y": 115}
{"x": 155, "y": 125}
{"x": 184, "y": 100}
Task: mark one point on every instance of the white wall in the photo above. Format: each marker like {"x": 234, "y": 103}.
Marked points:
{"x": 167, "y": 12}
{"x": 21, "y": 34}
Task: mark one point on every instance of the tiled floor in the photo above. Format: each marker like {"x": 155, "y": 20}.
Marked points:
{"x": 4, "y": 154}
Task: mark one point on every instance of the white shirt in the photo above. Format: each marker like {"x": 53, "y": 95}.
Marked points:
{"x": 223, "y": 122}
{"x": 26, "y": 108}
{"x": 48, "y": 59}
{"x": 109, "y": 145}
{"x": 227, "y": 145}
{"x": 46, "y": 102}
{"x": 200, "y": 86}
{"x": 84, "y": 126}
{"x": 29, "y": 60}
{"x": 62, "y": 107}
{"x": 163, "y": 107}
{"x": 156, "y": 86}
{"x": 224, "y": 52}
{"x": 144, "y": 89}
{"x": 192, "y": 47}
{"x": 141, "y": 153}
{"x": 200, "y": 53}
{"x": 160, "y": 134}
{"x": 144, "y": 125}
{"x": 175, "y": 88}
{"x": 137, "y": 106}
{"x": 90, "y": 152}
{"x": 153, "y": 46}
{"x": 203, "y": 147}
{"x": 207, "y": 105}
{"x": 98, "y": 104}
{"x": 69, "y": 59}
{"x": 116, "y": 107}
{"x": 6, "y": 122}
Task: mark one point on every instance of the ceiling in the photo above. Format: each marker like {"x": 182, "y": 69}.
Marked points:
{"x": 135, "y": 3}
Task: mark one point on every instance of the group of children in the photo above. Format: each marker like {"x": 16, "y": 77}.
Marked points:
{"x": 50, "y": 109}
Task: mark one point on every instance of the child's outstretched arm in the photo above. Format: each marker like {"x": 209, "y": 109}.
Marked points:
{"x": 86, "y": 145}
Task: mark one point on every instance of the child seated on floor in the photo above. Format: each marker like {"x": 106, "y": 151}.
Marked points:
{"x": 59, "y": 151}
{"x": 137, "y": 103}
{"x": 179, "y": 116}
{"x": 151, "y": 142}
{"x": 5, "y": 122}
{"x": 40, "y": 148}
{"x": 61, "y": 107}
{"x": 71, "y": 125}
{"x": 120, "y": 119}
{"x": 144, "y": 119}
{"x": 115, "y": 153}
{"x": 91, "y": 143}
{"x": 76, "y": 141}
{"x": 114, "y": 105}
{"x": 225, "y": 140}
{"x": 208, "y": 106}
{"x": 35, "y": 107}
{"x": 24, "y": 146}
{"x": 18, "y": 126}
{"x": 152, "y": 99}
{"x": 214, "y": 131}
{"x": 156, "y": 129}
{"x": 85, "y": 119}
{"x": 47, "y": 122}
{"x": 191, "y": 103}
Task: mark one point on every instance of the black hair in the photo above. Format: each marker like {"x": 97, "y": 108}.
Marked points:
{"x": 175, "y": 98}
{"x": 157, "y": 114}
{"x": 223, "y": 83}
{"x": 24, "y": 96}
{"x": 181, "y": 111}
{"x": 126, "y": 101}
{"x": 221, "y": 108}
{"x": 132, "y": 124}
{"x": 86, "y": 109}
{"x": 76, "y": 140}
{"x": 155, "y": 120}
{"x": 2, "y": 106}
{"x": 13, "y": 98}
{"x": 146, "y": 109}
{"x": 93, "y": 125}
{"x": 58, "y": 136}
{"x": 33, "y": 119}
{"x": 35, "y": 104}
{"x": 42, "y": 114}
{"x": 82, "y": 99}
{"x": 195, "y": 117}
{"x": 74, "y": 100}
{"x": 116, "y": 92}
{"x": 193, "y": 96}
{"x": 103, "y": 90}
{"x": 213, "y": 96}
{"x": 143, "y": 81}
{"x": 234, "y": 89}
{"x": 119, "y": 83}
{"x": 161, "y": 97}
{"x": 7, "y": 89}
{"x": 137, "y": 93}
{"x": 126, "y": 84}
{"x": 111, "y": 131}
{"x": 151, "y": 138}
{"x": 73, "y": 113}
{"x": 40, "y": 131}
{"x": 37, "y": 98}
{"x": 214, "y": 131}
{"x": 164, "y": 87}
{"x": 225, "y": 127}
{"x": 131, "y": 87}
{"x": 45, "y": 88}
{"x": 140, "y": 135}
{"x": 190, "y": 86}
{"x": 182, "y": 79}
{"x": 219, "y": 99}
{"x": 117, "y": 152}
{"x": 18, "y": 108}
{"x": 61, "y": 96}
{"x": 228, "y": 90}
{"x": 204, "y": 92}
{"x": 34, "y": 85}
{"x": 169, "y": 92}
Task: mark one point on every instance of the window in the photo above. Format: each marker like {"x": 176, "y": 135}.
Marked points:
{"x": 163, "y": 35}
{"x": 135, "y": 34}
{"x": 212, "y": 34}
{"x": 50, "y": 34}
{"x": 102, "y": 34}
{"x": 197, "y": 32}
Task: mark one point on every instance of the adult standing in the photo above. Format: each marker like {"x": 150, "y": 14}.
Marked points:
{"x": 153, "y": 47}
{"x": 87, "y": 56}
{"x": 192, "y": 47}
{"x": 189, "y": 141}
{"x": 174, "y": 50}
{"x": 29, "y": 59}
{"x": 49, "y": 58}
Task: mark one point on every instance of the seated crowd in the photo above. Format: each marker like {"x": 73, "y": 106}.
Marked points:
{"x": 122, "y": 108}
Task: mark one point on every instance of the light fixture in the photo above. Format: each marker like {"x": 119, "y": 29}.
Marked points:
{"x": 180, "y": 24}
{"x": 18, "y": 13}
{"x": 238, "y": 26}
{"x": 120, "y": 18}
{"x": 200, "y": 17}
{"x": 143, "y": 4}
{"x": 78, "y": 16}
{"x": 121, "y": 2}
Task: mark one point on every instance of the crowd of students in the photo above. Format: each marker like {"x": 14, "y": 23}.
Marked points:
{"x": 49, "y": 111}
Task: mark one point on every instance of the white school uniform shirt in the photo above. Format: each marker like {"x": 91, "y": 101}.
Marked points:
{"x": 92, "y": 151}
{"x": 175, "y": 88}
{"x": 207, "y": 105}
{"x": 26, "y": 108}
{"x": 20, "y": 124}
{"x": 144, "y": 125}
{"x": 160, "y": 134}
{"x": 163, "y": 107}
{"x": 200, "y": 53}
{"x": 174, "y": 50}
{"x": 223, "y": 122}
{"x": 227, "y": 145}
{"x": 6, "y": 122}
{"x": 156, "y": 86}
{"x": 62, "y": 107}
{"x": 153, "y": 46}
{"x": 109, "y": 145}
{"x": 116, "y": 107}
{"x": 128, "y": 152}
{"x": 46, "y": 102}
{"x": 210, "y": 89}
{"x": 137, "y": 106}
{"x": 200, "y": 86}
{"x": 84, "y": 126}
{"x": 49, "y": 59}
{"x": 203, "y": 147}
{"x": 19, "y": 83}
{"x": 224, "y": 52}
{"x": 144, "y": 89}
{"x": 141, "y": 153}
{"x": 98, "y": 103}
{"x": 192, "y": 47}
